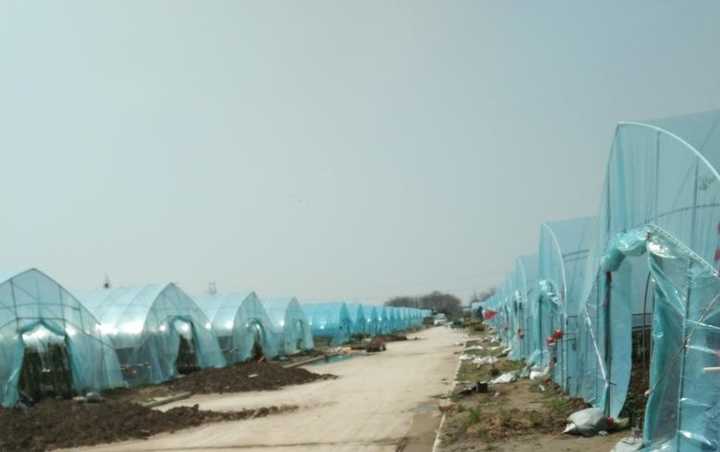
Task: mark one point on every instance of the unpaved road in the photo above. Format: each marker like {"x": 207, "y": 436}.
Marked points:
{"x": 382, "y": 403}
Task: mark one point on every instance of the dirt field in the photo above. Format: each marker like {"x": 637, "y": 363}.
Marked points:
{"x": 65, "y": 423}
{"x": 523, "y": 416}
{"x": 382, "y": 402}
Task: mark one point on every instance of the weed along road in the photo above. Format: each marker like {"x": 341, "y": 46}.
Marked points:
{"x": 383, "y": 402}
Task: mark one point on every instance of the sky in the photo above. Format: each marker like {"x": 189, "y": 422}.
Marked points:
{"x": 322, "y": 149}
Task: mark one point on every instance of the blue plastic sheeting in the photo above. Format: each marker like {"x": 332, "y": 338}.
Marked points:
{"x": 383, "y": 320}
{"x": 372, "y": 318}
{"x": 562, "y": 260}
{"x": 241, "y": 324}
{"x": 36, "y": 311}
{"x": 523, "y": 282}
{"x": 360, "y": 321}
{"x": 330, "y": 320}
{"x": 387, "y": 321}
{"x": 289, "y": 318}
{"x": 654, "y": 265}
{"x": 145, "y": 326}
{"x": 395, "y": 321}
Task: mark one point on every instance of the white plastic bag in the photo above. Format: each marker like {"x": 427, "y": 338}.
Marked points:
{"x": 587, "y": 422}
{"x": 485, "y": 360}
{"x": 505, "y": 378}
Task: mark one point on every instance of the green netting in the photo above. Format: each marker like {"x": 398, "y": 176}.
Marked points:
{"x": 241, "y": 324}
{"x": 330, "y": 320}
{"x": 290, "y": 321}
{"x": 36, "y": 311}
{"x": 148, "y": 326}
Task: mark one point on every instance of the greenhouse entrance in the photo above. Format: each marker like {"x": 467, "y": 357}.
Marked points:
{"x": 302, "y": 328}
{"x": 187, "y": 359}
{"x": 46, "y": 371}
{"x": 641, "y": 353}
{"x": 258, "y": 335}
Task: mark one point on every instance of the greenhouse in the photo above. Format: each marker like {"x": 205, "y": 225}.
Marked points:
{"x": 329, "y": 321}
{"x": 393, "y": 319}
{"x": 157, "y": 331}
{"x": 652, "y": 280}
{"x": 523, "y": 283}
{"x": 289, "y": 319}
{"x": 373, "y": 319}
{"x": 242, "y": 325}
{"x": 359, "y": 319}
{"x": 50, "y": 344}
{"x": 562, "y": 259}
{"x": 382, "y": 322}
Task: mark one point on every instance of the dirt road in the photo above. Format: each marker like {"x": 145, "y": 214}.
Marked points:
{"x": 380, "y": 403}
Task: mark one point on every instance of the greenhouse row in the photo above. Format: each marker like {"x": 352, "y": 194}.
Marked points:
{"x": 632, "y": 293}
{"x": 117, "y": 337}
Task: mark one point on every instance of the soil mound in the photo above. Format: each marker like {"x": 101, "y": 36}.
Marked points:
{"x": 53, "y": 424}
{"x": 251, "y": 376}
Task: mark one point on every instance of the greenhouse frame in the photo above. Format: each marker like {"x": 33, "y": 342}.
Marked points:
{"x": 156, "y": 330}
{"x": 41, "y": 321}
{"x": 243, "y": 327}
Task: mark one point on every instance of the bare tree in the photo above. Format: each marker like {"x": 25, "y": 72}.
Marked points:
{"x": 448, "y": 304}
{"x": 479, "y": 297}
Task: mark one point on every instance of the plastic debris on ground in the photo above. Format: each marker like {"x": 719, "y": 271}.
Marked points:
{"x": 629, "y": 444}
{"x": 475, "y": 348}
{"x": 485, "y": 360}
{"x": 507, "y": 377}
{"x": 538, "y": 374}
{"x": 587, "y": 422}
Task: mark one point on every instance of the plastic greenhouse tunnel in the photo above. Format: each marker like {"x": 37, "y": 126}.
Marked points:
{"x": 157, "y": 331}
{"x": 359, "y": 319}
{"x": 563, "y": 254}
{"x": 329, "y": 321}
{"x": 383, "y": 326}
{"x": 393, "y": 319}
{"x": 373, "y": 319}
{"x": 289, "y": 319}
{"x": 651, "y": 286}
{"x": 523, "y": 282}
{"x": 242, "y": 325}
{"x": 50, "y": 344}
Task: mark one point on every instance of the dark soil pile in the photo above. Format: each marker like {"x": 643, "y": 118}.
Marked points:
{"x": 55, "y": 424}
{"x": 251, "y": 376}
{"x": 393, "y": 337}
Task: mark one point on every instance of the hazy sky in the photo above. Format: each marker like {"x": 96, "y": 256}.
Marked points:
{"x": 322, "y": 148}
